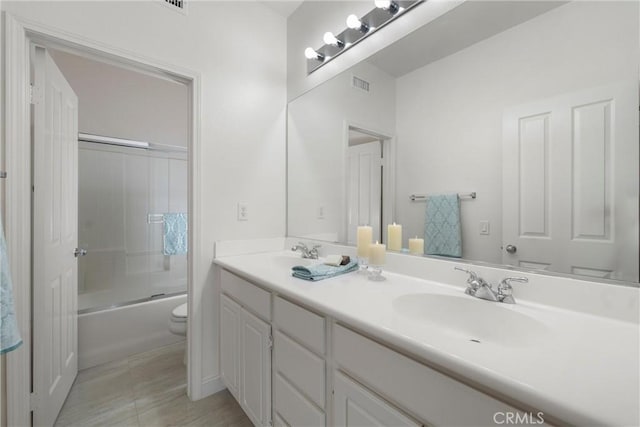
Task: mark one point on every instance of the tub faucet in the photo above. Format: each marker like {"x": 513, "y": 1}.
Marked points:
{"x": 478, "y": 287}
{"x": 306, "y": 252}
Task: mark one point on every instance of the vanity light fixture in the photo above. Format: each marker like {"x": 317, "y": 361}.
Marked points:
{"x": 332, "y": 40}
{"x": 358, "y": 28}
{"x": 388, "y": 5}
{"x": 355, "y": 23}
{"x": 311, "y": 53}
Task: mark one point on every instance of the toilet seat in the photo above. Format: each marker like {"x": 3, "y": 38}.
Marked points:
{"x": 178, "y": 320}
{"x": 179, "y": 314}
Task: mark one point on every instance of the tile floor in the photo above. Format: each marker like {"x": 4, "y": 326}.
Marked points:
{"x": 146, "y": 389}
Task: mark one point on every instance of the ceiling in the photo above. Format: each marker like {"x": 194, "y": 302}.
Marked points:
{"x": 282, "y": 7}
{"x": 467, "y": 24}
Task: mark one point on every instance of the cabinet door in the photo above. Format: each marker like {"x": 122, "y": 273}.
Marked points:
{"x": 356, "y": 406}
{"x": 230, "y": 318}
{"x": 255, "y": 369}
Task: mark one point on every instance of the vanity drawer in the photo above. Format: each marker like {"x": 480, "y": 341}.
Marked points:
{"x": 300, "y": 366}
{"x": 433, "y": 397}
{"x": 293, "y": 408}
{"x": 306, "y": 327}
{"x": 248, "y": 295}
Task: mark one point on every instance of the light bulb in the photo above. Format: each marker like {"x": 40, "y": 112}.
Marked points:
{"x": 388, "y": 5}
{"x": 329, "y": 38}
{"x": 311, "y": 53}
{"x": 353, "y": 22}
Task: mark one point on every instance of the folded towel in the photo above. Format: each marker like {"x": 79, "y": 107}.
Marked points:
{"x": 9, "y": 334}
{"x": 322, "y": 271}
{"x": 442, "y": 233}
{"x": 175, "y": 234}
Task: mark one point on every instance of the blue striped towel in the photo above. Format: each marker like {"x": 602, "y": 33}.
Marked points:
{"x": 175, "y": 234}
{"x": 322, "y": 271}
{"x": 442, "y": 232}
{"x": 9, "y": 333}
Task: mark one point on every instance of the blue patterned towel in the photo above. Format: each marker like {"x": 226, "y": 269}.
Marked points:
{"x": 322, "y": 271}
{"x": 442, "y": 233}
{"x": 9, "y": 334}
{"x": 175, "y": 234}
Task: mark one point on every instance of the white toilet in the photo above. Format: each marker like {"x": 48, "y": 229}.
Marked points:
{"x": 178, "y": 320}
{"x": 178, "y": 324}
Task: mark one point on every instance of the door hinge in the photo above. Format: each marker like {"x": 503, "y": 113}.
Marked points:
{"x": 33, "y": 401}
{"x": 34, "y": 94}
{"x": 270, "y": 342}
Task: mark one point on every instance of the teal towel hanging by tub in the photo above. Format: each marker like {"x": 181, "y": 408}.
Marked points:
{"x": 9, "y": 333}
{"x": 442, "y": 231}
{"x": 175, "y": 234}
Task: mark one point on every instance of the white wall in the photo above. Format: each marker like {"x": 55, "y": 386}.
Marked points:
{"x": 239, "y": 50}
{"x": 317, "y": 146}
{"x": 449, "y": 115}
{"x": 118, "y": 102}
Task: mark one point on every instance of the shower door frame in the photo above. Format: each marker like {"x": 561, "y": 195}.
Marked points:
{"x": 19, "y": 35}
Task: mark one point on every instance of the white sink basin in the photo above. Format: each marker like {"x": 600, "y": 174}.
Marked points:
{"x": 472, "y": 319}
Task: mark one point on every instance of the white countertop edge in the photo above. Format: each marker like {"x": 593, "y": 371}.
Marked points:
{"x": 504, "y": 387}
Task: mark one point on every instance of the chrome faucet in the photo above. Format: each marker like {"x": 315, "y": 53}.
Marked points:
{"x": 480, "y": 288}
{"x": 505, "y": 290}
{"x": 306, "y": 252}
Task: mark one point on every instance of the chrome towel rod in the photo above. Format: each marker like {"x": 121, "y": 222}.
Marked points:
{"x": 419, "y": 197}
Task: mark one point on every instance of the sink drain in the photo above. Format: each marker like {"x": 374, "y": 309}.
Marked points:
{"x": 474, "y": 340}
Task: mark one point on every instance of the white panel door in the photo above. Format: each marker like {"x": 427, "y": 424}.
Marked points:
{"x": 55, "y": 238}
{"x": 230, "y": 319}
{"x": 570, "y": 183}
{"x": 364, "y": 189}
{"x": 255, "y": 369}
{"x": 355, "y": 406}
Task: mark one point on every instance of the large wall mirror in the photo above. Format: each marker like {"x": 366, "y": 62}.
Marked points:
{"x": 532, "y": 106}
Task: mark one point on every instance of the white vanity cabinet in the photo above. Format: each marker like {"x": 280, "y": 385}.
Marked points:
{"x": 299, "y": 365}
{"x": 245, "y": 346}
{"x": 325, "y": 373}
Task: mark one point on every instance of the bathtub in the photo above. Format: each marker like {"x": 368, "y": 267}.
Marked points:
{"x": 116, "y": 333}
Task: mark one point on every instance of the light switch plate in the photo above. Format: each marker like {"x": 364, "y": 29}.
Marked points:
{"x": 484, "y": 227}
{"x": 243, "y": 211}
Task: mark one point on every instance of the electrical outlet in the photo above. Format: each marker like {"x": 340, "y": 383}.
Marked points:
{"x": 243, "y": 211}
{"x": 321, "y": 212}
{"x": 484, "y": 227}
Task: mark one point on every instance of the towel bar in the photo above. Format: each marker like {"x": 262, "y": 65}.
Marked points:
{"x": 419, "y": 197}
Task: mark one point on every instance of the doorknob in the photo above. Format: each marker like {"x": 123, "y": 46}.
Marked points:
{"x": 511, "y": 249}
{"x": 79, "y": 252}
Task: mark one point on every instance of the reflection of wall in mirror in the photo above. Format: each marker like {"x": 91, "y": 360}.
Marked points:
{"x": 317, "y": 143}
{"x": 449, "y": 116}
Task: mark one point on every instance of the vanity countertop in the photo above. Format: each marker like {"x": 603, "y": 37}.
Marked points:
{"x": 578, "y": 368}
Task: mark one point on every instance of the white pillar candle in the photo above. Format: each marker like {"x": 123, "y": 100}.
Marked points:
{"x": 416, "y": 246}
{"x": 377, "y": 253}
{"x": 394, "y": 237}
{"x": 365, "y": 235}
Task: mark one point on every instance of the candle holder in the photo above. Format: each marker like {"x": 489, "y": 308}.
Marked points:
{"x": 375, "y": 273}
{"x": 363, "y": 264}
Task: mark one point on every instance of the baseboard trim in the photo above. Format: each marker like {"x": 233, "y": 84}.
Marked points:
{"x": 212, "y": 385}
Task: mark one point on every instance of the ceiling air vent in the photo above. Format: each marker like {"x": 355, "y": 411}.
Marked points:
{"x": 177, "y": 5}
{"x": 360, "y": 84}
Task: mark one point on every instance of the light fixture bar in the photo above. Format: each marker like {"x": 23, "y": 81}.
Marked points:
{"x": 112, "y": 141}
{"x": 357, "y": 30}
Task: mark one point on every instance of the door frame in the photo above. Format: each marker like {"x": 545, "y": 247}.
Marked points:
{"x": 18, "y": 35}
{"x": 388, "y": 173}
